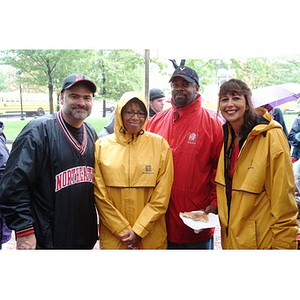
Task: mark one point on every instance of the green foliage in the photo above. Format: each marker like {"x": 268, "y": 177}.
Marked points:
{"x": 3, "y": 82}
{"x": 256, "y": 72}
{"x": 43, "y": 68}
{"x": 206, "y": 69}
{"x": 118, "y": 71}
{"x": 113, "y": 71}
{"x": 287, "y": 70}
{"x": 260, "y": 72}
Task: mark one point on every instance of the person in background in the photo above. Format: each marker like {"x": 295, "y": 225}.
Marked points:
{"x": 156, "y": 97}
{"x": 5, "y": 233}
{"x": 109, "y": 127}
{"x": 194, "y": 134}
{"x": 47, "y": 188}
{"x": 294, "y": 139}
{"x": 277, "y": 115}
{"x": 255, "y": 184}
{"x": 133, "y": 180}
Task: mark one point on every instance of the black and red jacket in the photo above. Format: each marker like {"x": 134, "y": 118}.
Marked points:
{"x": 47, "y": 186}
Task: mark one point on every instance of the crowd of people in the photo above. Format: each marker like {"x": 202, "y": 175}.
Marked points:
{"x": 64, "y": 186}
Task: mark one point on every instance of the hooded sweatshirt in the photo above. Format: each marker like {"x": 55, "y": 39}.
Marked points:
{"x": 261, "y": 211}
{"x": 133, "y": 180}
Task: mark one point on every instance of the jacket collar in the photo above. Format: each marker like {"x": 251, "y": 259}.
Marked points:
{"x": 80, "y": 148}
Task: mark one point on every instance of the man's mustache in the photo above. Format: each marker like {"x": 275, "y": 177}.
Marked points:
{"x": 78, "y": 107}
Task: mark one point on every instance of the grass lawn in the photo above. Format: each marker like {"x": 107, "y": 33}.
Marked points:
{"x": 289, "y": 119}
{"x": 12, "y": 127}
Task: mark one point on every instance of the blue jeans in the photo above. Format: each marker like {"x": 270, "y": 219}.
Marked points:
{"x": 205, "y": 245}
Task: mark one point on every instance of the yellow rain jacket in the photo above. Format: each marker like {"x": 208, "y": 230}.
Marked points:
{"x": 262, "y": 213}
{"x": 133, "y": 180}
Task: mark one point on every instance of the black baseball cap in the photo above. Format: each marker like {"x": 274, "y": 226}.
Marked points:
{"x": 187, "y": 73}
{"x": 75, "y": 78}
{"x": 156, "y": 94}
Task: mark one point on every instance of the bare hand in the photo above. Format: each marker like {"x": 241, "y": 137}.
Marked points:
{"x": 131, "y": 239}
{"x": 27, "y": 242}
{"x": 211, "y": 209}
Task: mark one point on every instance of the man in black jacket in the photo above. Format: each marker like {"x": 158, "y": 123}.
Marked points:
{"x": 46, "y": 193}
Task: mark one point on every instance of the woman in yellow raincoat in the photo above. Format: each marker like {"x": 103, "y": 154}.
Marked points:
{"x": 133, "y": 180}
{"x": 255, "y": 184}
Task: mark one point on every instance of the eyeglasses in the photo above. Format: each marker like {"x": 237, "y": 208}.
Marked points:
{"x": 131, "y": 113}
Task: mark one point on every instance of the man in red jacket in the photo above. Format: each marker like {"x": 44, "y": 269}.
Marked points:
{"x": 195, "y": 137}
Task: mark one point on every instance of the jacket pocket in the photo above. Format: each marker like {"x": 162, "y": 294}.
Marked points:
{"x": 246, "y": 237}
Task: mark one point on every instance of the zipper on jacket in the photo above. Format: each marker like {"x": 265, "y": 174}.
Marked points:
{"x": 227, "y": 157}
{"x": 227, "y": 154}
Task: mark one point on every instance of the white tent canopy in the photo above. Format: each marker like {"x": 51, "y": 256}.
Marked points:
{"x": 220, "y": 29}
{"x": 264, "y": 50}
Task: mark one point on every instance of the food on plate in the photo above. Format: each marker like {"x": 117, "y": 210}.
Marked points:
{"x": 196, "y": 216}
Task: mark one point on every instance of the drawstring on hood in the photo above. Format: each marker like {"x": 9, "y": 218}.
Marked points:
{"x": 141, "y": 132}
{"x": 122, "y": 130}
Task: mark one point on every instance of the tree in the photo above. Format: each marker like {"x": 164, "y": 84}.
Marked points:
{"x": 114, "y": 71}
{"x": 261, "y": 72}
{"x": 43, "y": 68}
{"x": 3, "y": 84}
{"x": 287, "y": 70}
{"x": 117, "y": 71}
{"x": 207, "y": 69}
{"x": 256, "y": 72}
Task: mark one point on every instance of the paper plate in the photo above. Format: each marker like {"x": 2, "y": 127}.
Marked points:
{"x": 213, "y": 221}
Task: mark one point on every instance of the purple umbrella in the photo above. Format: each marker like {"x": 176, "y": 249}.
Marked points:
{"x": 272, "y": 96}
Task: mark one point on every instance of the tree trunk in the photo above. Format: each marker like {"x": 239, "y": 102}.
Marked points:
{"x": 103, "y": 94}
{"x": 50, "y": 88}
